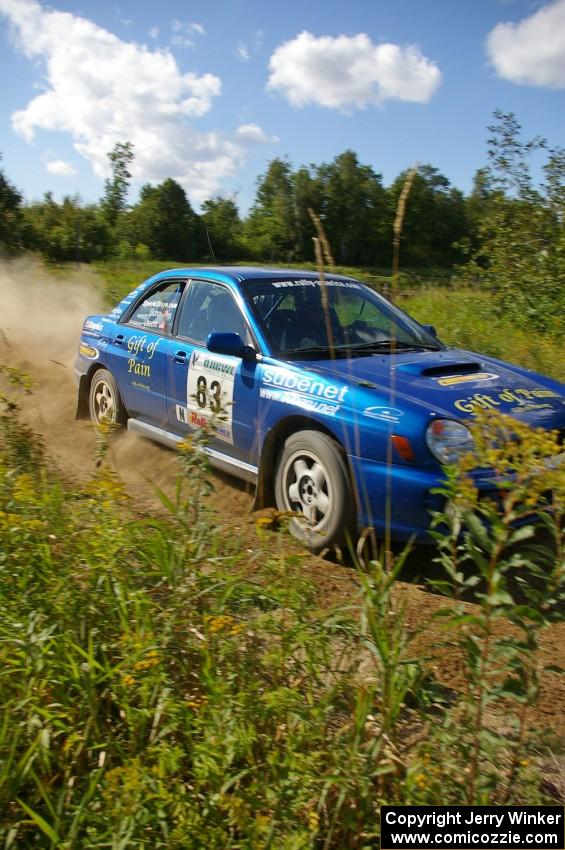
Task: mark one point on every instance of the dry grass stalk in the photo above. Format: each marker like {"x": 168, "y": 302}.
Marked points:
{"x": 328, "y": 256}
{"x": 397, "y": 226}
{"x": 397, "y": 232}
{"x": 324, "y": 292}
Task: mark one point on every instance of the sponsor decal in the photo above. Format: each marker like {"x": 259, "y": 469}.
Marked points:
{"x": 218, "y": 366}
{"x": 387, "y": 414}
{"x": 89, "y": 325}
{"x": 305, "y": 385}
{"x": 143, "y": 369}
{"x": 344, "y": 284}
{"x": 88, "y": 351}
{"x": 305, "y": 402}
{"x": 524, "y": 399}
{"x": 451, "y": 380}
{"x": 160, "y": 314}
{"x": 190, "y": 417}
{"x": 137, "y": 345}
{"x": 209, "y": 393}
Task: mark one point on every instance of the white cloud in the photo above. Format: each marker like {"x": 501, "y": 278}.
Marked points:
{"x": 154, "y": 32}
{"x": 182, "y": 41}
{"x": 350, "y": 71}
{"x": 60, "y": 168}
{"x": 253, "y": 134}
{"x": 190, "y": 28}
{"x": 531, "y": 51}
{"x": 127, "y": 22}
{"x": 101, "y": 89}
{"x": 185, "y": 32}
{"x": 242, "y": 51}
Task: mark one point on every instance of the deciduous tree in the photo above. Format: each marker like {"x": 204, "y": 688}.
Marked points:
{"x": 116, "y": 188}
{"x": 222, "y": 228}
{"x": 11, "y": 216}
{"x": 165, "y": 222}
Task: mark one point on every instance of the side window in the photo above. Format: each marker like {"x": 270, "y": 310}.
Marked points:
{"x": 157, "y": 311}
{"x": 210, "y": 307}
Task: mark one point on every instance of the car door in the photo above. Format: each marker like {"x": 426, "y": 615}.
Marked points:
{"x": 137, "y": 355}
{"x": 212, "y": 390}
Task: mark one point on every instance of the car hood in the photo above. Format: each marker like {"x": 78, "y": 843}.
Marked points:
{"x": 451, "y": 383}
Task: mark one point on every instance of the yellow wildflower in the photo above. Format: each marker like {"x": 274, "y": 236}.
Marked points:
{"x": 313, "y": 821}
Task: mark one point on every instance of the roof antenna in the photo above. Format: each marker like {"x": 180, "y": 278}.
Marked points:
{"x": 210, "y": 245}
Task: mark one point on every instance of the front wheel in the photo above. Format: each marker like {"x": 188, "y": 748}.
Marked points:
{"x": 311, "y": 479}
{"x": 104, "y": 401}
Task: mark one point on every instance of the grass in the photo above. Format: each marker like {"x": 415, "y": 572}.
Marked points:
{"x": 153, "y": 696}
{"x": 469, "y": 318}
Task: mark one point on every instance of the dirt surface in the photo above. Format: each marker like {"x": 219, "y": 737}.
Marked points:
{"x": 40, "y": 326}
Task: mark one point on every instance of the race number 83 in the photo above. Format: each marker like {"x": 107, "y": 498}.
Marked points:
{"x": 215, "y": 394}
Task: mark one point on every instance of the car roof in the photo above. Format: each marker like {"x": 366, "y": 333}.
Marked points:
{"x": 241, "y": 274}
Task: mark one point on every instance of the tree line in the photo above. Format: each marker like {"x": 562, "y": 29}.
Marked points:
{"x": 510, "y": 229}
{"x": 356, "y": 209}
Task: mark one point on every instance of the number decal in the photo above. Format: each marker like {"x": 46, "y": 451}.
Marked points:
{"x": 209, "y": 393}
{"x": 201, "y": 391}
{"x": 216, "y": 400}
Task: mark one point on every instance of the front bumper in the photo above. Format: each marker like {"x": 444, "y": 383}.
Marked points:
{"x": 407, "y": 489}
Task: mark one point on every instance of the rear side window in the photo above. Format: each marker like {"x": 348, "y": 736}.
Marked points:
{"x": 156, "y": 313}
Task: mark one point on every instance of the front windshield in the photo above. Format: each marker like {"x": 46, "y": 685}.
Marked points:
{"x": 301, "y": 317}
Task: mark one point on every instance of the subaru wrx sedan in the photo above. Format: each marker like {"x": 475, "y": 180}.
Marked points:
{"x": 325, "y": 396}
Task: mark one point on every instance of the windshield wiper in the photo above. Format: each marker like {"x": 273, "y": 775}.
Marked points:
{"x": 394, "y": 344}
{"x": 366, "y": 347}
{"x": 314, "y": 349}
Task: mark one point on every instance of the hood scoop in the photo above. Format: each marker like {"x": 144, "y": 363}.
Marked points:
{"x": 451, "y": 369}
{"x": 441, "y": 368}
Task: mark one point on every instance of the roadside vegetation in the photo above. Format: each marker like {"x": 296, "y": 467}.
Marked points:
{"x": 469, "y": 317}
{"x": 154, "y": 694}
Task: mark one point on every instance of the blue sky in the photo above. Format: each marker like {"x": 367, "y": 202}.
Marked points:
{"x": 209, "y": 92}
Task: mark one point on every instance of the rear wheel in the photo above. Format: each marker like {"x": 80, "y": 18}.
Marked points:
{"x": 104, "y": 401}
{"x": 311, "y": 479}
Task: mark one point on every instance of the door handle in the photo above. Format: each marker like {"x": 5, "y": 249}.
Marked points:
{"x": 180, "y": 357}
{"x": 119, "y": 339}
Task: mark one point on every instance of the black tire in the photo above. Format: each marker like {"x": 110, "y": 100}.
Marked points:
{"x": 104, "y": 400}
{"x": 311, "y": 478}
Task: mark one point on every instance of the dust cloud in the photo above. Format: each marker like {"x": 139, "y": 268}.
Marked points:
{"x": 40, "y": 323}
{"x": 42, "y": 312}
{"x": 41, "y": 319}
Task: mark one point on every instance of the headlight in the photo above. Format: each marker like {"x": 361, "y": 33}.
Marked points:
{"x": 448, "y": 440}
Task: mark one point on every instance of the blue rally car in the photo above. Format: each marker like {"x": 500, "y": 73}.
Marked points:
{"x": 324, "y": 395}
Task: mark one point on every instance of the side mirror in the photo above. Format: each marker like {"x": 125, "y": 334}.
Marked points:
{"x": 229, "y": 344}
{"x": 431, "y": 329}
